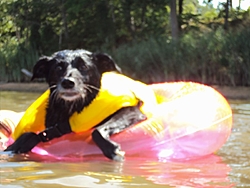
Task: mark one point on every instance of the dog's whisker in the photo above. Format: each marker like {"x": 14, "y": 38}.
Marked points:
{"x": 54, "y": 96}
{"x": 53, "y": 86}
{"x": 86, "y": 87}
{"x": 53, "y": 93}
{"x": 92, "y": 87}
{"x": 96, "y": 88}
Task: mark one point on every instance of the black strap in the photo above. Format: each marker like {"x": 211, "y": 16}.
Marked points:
{"x": 27, "y": 141}
{"x": 54, "y": 132}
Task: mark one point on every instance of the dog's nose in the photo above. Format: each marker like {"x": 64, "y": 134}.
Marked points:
{"x": 68, "y": 83}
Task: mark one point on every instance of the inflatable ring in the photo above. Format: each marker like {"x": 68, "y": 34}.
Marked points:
{"x": 191, "y": 120}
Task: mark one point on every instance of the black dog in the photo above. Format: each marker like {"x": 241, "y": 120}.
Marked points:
{"x": 74, "y": 78}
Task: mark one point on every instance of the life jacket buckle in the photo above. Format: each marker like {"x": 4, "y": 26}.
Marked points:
{"x": 50, "y": 133}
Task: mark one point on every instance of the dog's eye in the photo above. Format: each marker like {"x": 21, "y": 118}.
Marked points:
{"x": 82, "y": 67}
{"x": 58, "y": 69}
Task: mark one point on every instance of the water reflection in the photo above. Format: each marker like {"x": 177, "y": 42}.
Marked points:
{"x": 207, "y": 172}
{"x": 236, "y": 152}
{"x": 228, "y": 168}
{"x": 17, "y": 101}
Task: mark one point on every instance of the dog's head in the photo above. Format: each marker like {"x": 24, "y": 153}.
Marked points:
{"x": 74, "y": 75}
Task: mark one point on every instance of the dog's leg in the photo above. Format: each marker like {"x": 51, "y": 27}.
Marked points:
{"x": 121, "y": 120}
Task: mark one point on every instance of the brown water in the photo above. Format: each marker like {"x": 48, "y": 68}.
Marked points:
{"x": 228, "y": 168}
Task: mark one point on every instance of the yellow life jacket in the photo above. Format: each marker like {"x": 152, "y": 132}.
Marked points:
{"x": 116, "y": 91}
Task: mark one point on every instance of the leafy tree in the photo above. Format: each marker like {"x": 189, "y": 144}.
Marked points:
{"x": 144, "y": 30}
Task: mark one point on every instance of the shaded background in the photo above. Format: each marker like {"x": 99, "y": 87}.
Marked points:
{"x": 153, "y": 41}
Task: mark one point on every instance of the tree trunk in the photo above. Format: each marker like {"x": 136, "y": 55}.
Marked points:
{"x": 173, "y": 19}
{"x": 231, "y": 3}
{"x": 226, "y": 14}
{"x": 180, "y": 14}
{"x": 65, "y": 25}
{"x": 127, "y": 16}
{"x": 180, "y": 7}
{"x": 144, "y": 9}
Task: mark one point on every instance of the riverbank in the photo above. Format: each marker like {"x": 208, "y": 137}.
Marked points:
{"x": 24, "y": 87}
{"x": 239, "y": 92}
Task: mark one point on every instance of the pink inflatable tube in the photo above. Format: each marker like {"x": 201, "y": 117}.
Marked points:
{"x": 192, "y": 120}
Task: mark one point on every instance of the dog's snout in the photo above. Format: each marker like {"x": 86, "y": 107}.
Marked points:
{"x": 68, "y": 83}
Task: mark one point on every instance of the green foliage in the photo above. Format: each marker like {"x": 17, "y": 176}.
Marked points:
{"x": 136, "y": 33}
{"x": 212, "y": 58}
{"x": 13, "y": 58}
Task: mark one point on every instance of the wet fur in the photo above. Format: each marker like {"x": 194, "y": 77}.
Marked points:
{"x": 74, "y": 78}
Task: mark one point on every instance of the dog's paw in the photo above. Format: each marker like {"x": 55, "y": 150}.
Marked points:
{"x": 119, "y": 155}
{"x": 113, "y": 151}
{"x": 24, "y": 143}
{"x": 109, "y": 148}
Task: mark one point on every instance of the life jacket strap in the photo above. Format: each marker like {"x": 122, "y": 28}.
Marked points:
{"x": 54, "y": 132}
{"x": 27, "y": 141}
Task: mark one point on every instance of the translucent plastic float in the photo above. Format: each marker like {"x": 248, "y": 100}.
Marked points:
{"x": 191, "y": 120}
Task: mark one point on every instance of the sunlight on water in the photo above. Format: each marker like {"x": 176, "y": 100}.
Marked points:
{"x": 236, "y": 151}
{"x": 229, "y": 168}
{"x": 208, "y": 172}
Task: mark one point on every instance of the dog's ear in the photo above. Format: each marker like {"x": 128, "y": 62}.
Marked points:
{"x": 40, "y": 70}
{"x": 105, "y": 63}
